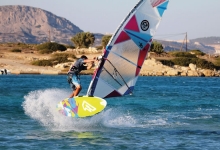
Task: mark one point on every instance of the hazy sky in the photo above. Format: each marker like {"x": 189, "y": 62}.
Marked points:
{"x": 199, "y": 18}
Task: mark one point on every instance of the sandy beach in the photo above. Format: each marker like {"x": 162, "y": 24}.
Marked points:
{"x": 20, "y": 63}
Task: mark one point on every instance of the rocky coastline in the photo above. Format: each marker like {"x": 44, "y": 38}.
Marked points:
{"x": 152, "y": 67}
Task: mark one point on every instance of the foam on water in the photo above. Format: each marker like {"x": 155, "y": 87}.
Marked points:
{"x": 41, "y": 106}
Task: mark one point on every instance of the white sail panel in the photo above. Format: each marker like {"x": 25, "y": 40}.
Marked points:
{"x": 104, "y": 87}
{"x": 125, "y": 53}
{"x": 126, "y": 49}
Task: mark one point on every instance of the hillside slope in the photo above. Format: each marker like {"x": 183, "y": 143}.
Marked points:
{"x": 33, "y": 25}
{"x": 191, "y": 45}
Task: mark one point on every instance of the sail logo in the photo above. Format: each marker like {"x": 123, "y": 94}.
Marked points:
{"x": 88, "y": 107}
{"x": 145, "y": 25}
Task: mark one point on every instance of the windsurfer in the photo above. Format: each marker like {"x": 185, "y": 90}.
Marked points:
{"x": 73, "y": 73}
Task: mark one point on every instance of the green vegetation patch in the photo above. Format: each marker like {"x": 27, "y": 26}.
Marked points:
{"x": 62, "y": 57}
{"x": 105, "y": 40}
{"x": 202, "y": 63}
{"x": 182, "y": 54}
{"x": 156, "y": 47}
{"x": 49, "y": 47}
{"x": 197, "y": 52}
{"x": 184, "y": 61}
{"x": 42, "y": 63}
{"x": 167, "y": 62}
{"x": 83, "y": 39}
{"x": 16, "y": 50}
{"x": 100, "y": 47}
{"x": 217, "y": 63}
{"x": 56, "y": 59}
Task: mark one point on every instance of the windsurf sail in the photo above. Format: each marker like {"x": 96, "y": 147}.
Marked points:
{"x": 126, "y": 51}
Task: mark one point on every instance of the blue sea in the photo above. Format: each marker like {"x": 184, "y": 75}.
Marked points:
{"x": 163, "y": 113}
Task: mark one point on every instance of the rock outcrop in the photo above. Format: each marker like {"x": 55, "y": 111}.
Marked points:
{"x": 152, "y": 67}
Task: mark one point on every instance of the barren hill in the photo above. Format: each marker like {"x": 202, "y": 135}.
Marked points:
{"x": 33, "y": 25}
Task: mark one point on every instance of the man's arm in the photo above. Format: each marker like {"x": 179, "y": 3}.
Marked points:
{"x": 91, "y": 61}
{"x": 88, "y": 60}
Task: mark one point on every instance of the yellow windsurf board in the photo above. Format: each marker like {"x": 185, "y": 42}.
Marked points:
{"x": 81, "y": 106}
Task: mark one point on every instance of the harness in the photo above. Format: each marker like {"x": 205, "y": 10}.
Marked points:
{"x": 74, "y": 69}
{"x": 77, "y": 67}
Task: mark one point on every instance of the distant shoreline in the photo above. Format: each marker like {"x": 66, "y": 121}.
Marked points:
{"x": 20, "y": 63}
{"x": 91, "y": 73}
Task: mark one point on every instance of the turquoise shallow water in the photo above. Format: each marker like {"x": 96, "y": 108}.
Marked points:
{"x": 162, "y": 113}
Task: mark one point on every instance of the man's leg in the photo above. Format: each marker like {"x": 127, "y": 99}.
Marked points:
{"x": 76, "y": 82}
{"x": 76, "y": 91}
